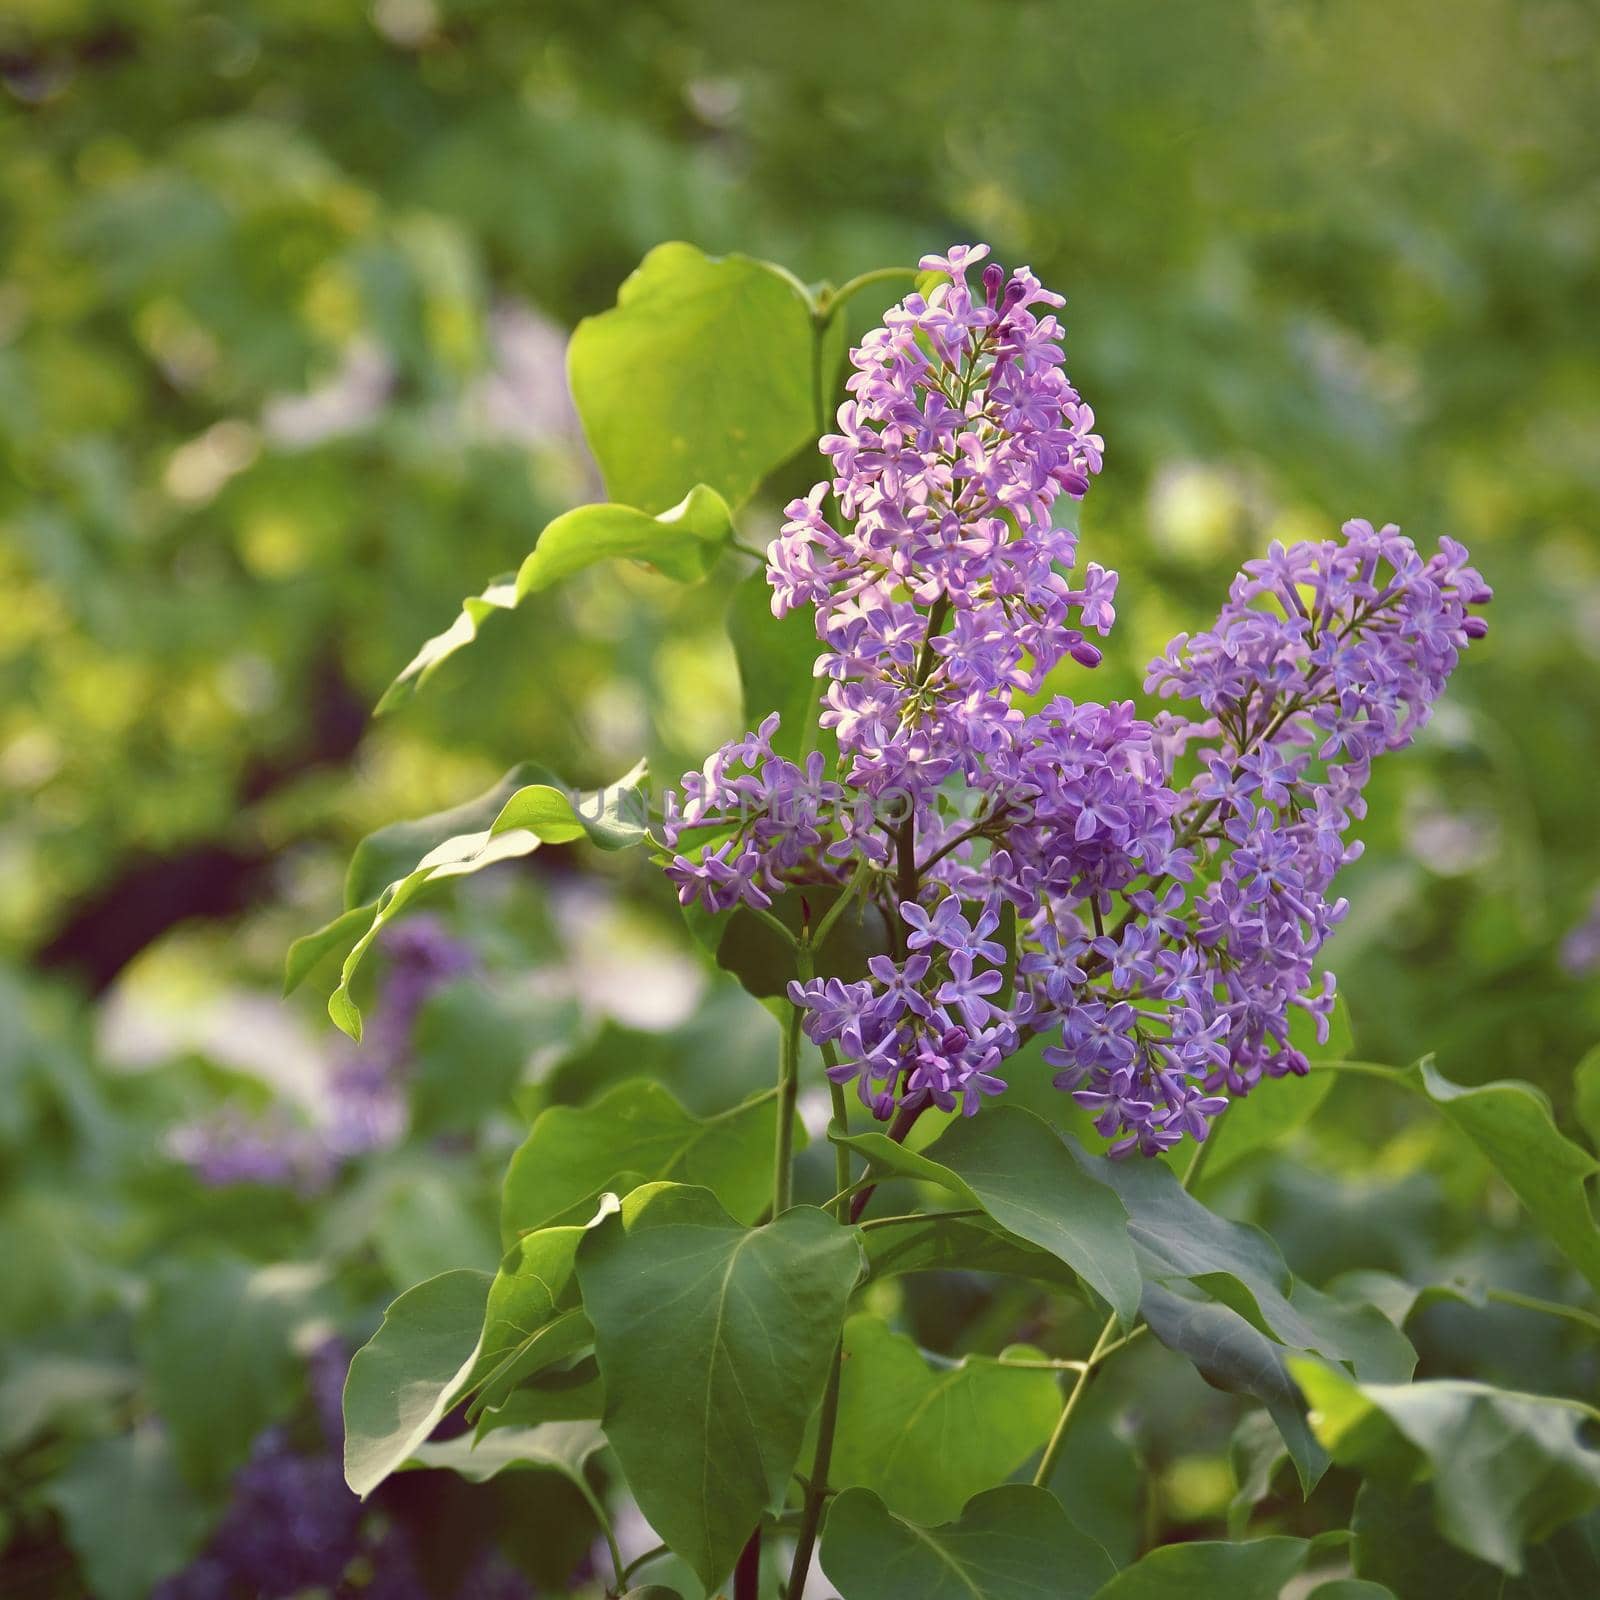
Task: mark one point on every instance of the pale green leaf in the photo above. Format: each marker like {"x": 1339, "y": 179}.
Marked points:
{"x": 409, "y": 1374}
{"x": 1210, "y": 1570}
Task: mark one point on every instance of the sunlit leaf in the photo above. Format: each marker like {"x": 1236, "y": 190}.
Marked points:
{"x": 682, "y": 543}
{"x": 701, "y": 373}
{"x": 563, "y": 1446}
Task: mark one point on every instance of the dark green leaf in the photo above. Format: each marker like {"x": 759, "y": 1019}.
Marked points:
{"x": 1397, "y": 1545}
{"x": 1219, "y": 1293}
{"x": 1586, "y": 1095}
{"x": 1351, "y": 1589}
{"x": 1206, "y": 1570}
{"x": 408, "y": 1374}
{"x": 1511, "y": 1125}
{"x": 637, "y": 1133}
{"x": 682, "y": 543}
{"x": 713, "y": 1341}
{"x": 130, "y": 1517}
{"x": 898, "y": 1416}
{"x": 763, "y": 961}
{"x": 1011, "y": 1543}
{"x": 1017, "y": 1168}
{"x": 1506, "y": 1469}
{"x": 961, "y": 1244}
{"x": 702, "y": 373}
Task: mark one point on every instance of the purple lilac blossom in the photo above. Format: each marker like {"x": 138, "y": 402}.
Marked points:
{"x": 1580, "y": 949}
{"x": 365, "y": 1106}
{"x": 1166, "y": 879}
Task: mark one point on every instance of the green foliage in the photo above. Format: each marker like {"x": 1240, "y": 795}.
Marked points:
{"x": 1019, "y": 1171}
{"x": 404, "y": 1379}
{"x": 1511, "y": 1125}
{"x": 683, "y": 542}
{"x": 713, "y": 1341}
{"x": 898, "y": 1416}
{"x": 131, "y": 1517}
{"x": 637, "y": 1133}
{"x": 1010, "y": 1543}
{"x": 531, "y": 815}
{"x": 1255, "y": 1570}
{"x": 565, "y": 1447}
{"x": 1506, "y": 1470}
{"x": 1398, "y": 1545}
{"x": 702, "y": 373}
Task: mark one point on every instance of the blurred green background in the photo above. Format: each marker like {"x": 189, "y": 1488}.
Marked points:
{"x": 284, "y": 289}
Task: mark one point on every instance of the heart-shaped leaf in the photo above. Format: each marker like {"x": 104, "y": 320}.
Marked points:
{"x": 898, "y": 1416}
{"x": 637, "y": 1133}
{"x": 701, "y": 373}
{"x": 1011, "y": 1543}
{"x": 714, "y": 1342}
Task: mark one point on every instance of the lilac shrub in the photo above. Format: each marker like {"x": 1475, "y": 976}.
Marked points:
{"x": 1148, "y": 893}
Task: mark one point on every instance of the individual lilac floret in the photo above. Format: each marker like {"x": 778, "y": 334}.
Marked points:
{"x": 1146, "y": 896}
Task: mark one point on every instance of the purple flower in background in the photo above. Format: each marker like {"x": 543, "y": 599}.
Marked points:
{"x": 365, "y": 1106}
{"x": 1158, "y": 890}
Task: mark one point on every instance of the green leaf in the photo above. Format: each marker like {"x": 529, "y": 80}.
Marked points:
{"x": 130, "y": 1517}
{"x": 1011, "y": 1543}
{"x": 961, "y": 1244}
{"x": 532, "y": 1319}
{"x": 408, "y": 1374}
{"x": 637, "y": 1133}
{"x": 1210, "y": 1570}
{"x": 682, "y": 543}
{"x": 1586, "y": 1092}
{"x": 701, "y": 373}
{"x": 1506, "y": 1469}
{"x": 518, "y": 822}
{"x": 1017, "y": 1168}
{"x": 216, "y": 1344}
{"x": 567, "y": 1394}
{"x": 1219, "y": 1293}
{"x": 898, "y": 1416}
{"x": 714, "y": 1343}
{"x": 1397, "y": 1545}
{"x": 763, "y": 961}
{"x": 775, "y": 657}
{"x": 562, "y": 1446}
{"x": 1511, "y": 1125}
{"x": 1350, "y": 1589}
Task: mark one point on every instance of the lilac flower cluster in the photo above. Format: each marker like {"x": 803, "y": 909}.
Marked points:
{"x": 365, "y": 1107}
{"x": 1148, "y": 896}
{"x": 292, "y": 1527}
